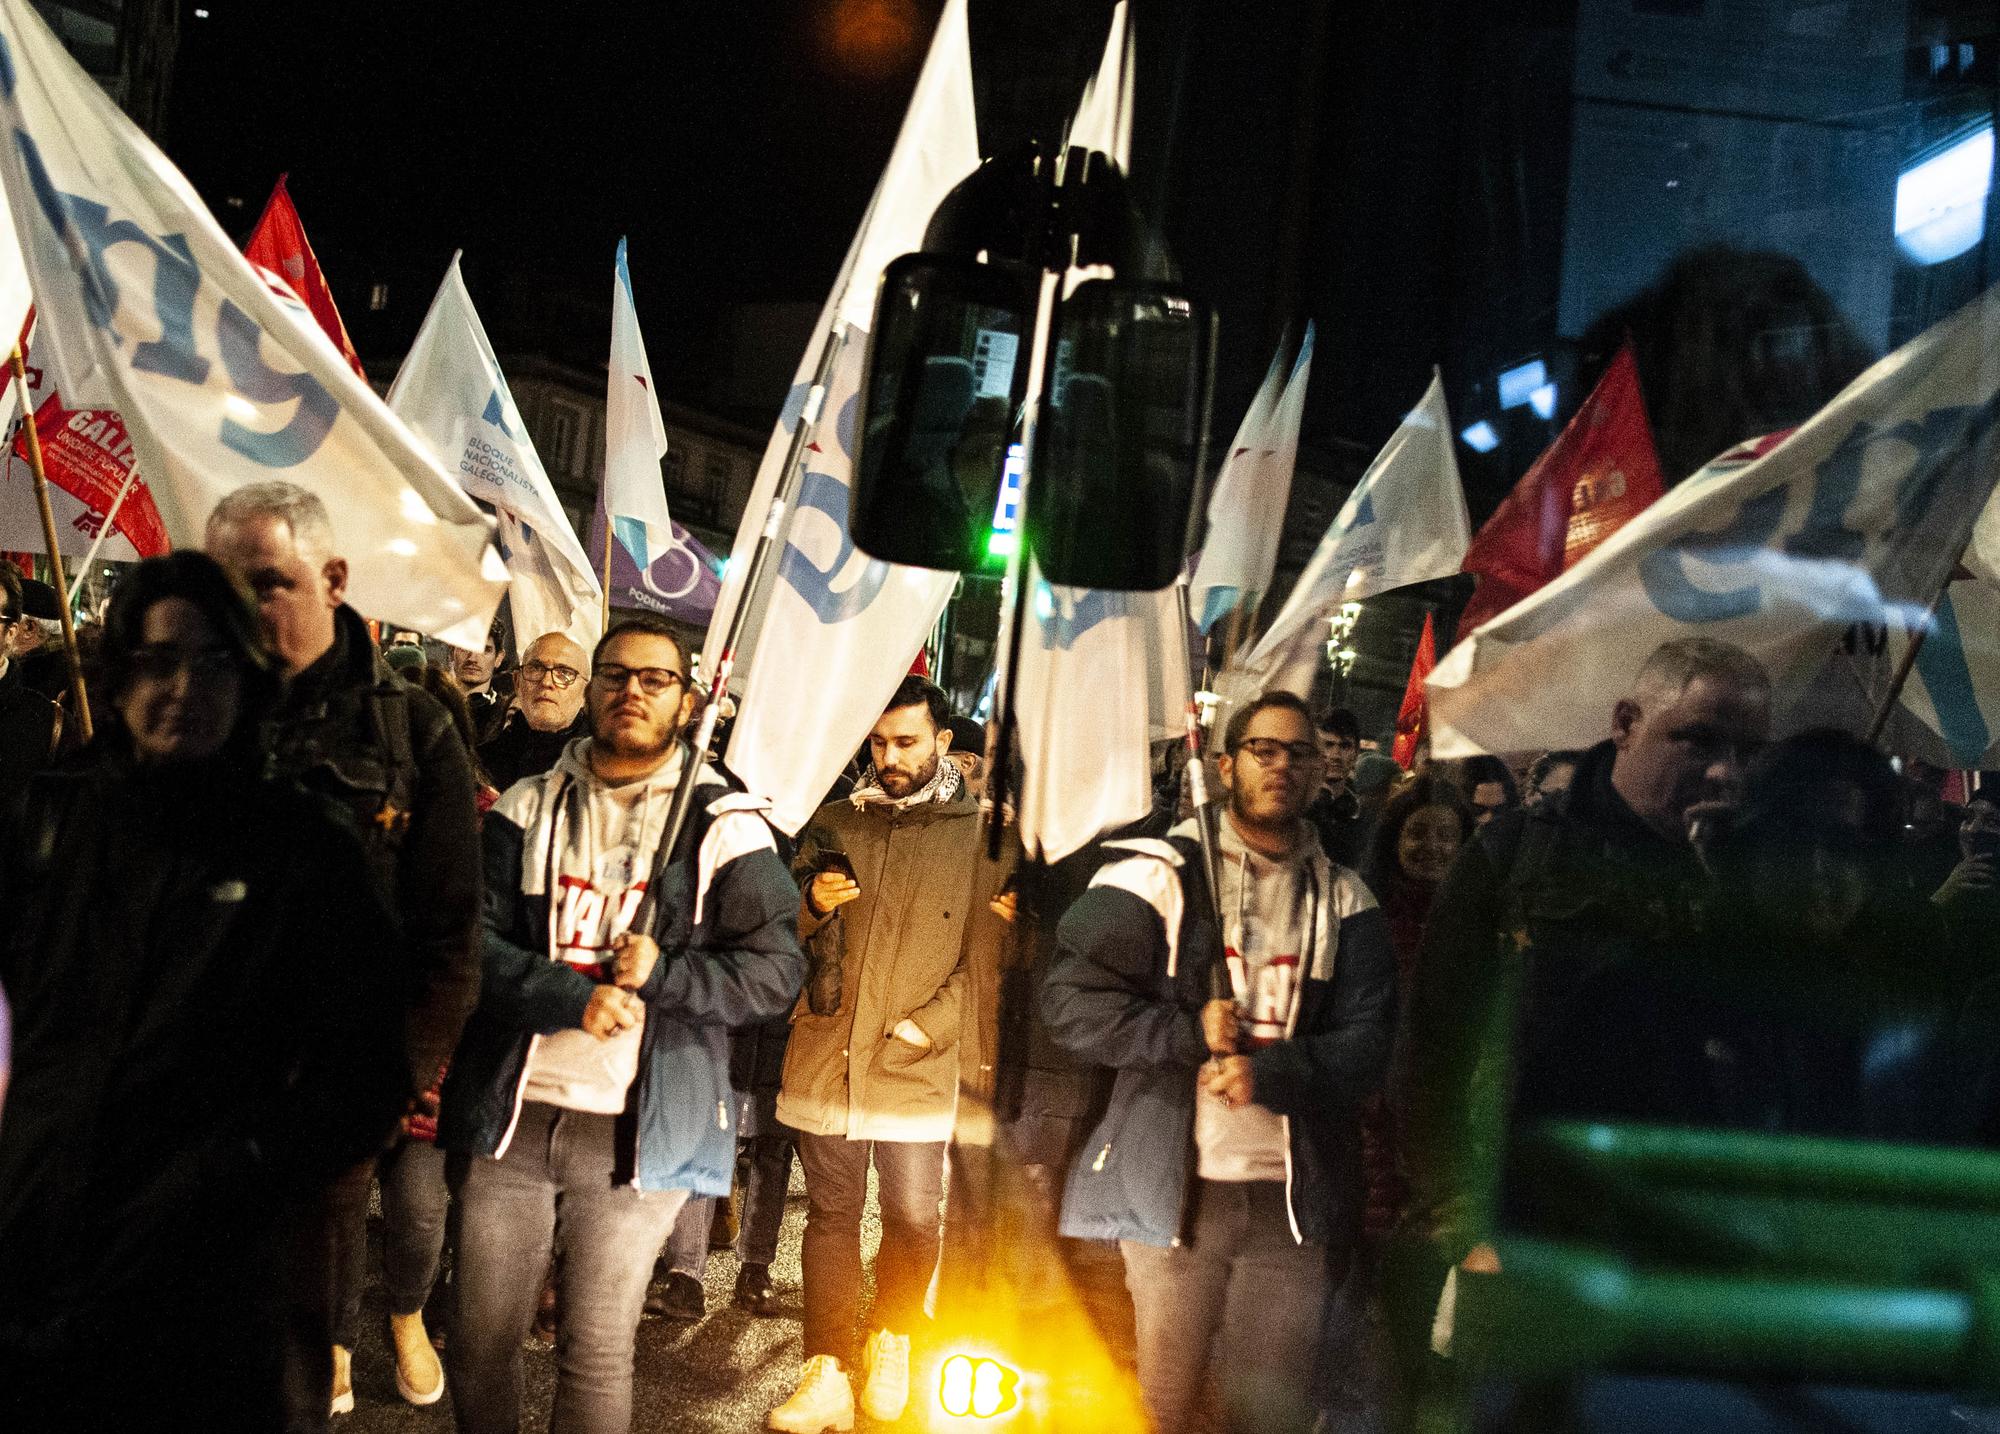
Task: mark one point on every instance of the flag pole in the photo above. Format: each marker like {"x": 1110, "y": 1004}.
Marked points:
{"x": 76, "y": 689}
{"x": 110, "y": 517}
{"x": 604, "y": 608}
{"x": 759, "y": 565}
{"x": 1904, "y": 666}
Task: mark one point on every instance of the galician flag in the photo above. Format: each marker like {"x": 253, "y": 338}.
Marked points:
{"x": 840, "y": 629}
{"x": 279, "y": 245}
{"x": 450, "y": 390}
{"x": 635, "y": 436}
{"x": 148, "y": 310}
{"x": 1404, "y": 523}
{"x": 1102, "y": 674}
{"x": 1246, "y": 512}
{"x": 1816, "y": 556}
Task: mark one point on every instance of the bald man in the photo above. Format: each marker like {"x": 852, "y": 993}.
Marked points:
{"x": 548, "y": 711}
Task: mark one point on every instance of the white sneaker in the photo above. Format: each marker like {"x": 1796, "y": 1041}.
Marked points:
{"x": 343, "y": 1380}
{"x": 886, "y": 1389}
{"x": 824, "y": 1400}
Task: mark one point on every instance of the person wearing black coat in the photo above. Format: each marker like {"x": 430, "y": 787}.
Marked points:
{"x": 206, "y": 1030}
{"x": 27, "y": 718}
{"x": 386, "y": 753}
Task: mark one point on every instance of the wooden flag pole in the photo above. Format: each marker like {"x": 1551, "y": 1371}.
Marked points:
{"x": 76, "y": 691}
{"x": 1904, "y": 666}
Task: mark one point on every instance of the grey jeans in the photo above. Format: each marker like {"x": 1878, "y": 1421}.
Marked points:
{"x": 909, "y": 1183}
{"x": 1243, "y": 1294}
{"x": 553, "y": 1185}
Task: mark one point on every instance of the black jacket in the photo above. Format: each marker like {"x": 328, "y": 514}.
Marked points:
{"x": 1537, "y": 907}
{"x": 520, "y": 751}
{"x": 203, "y": 990}
{"x": 27, "y": 730}
{"x": 1126, "y": 989}
{"x": 387, "y": 754}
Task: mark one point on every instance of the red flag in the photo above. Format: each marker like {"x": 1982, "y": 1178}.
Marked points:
{"x": 87, "y": 453}
{"x": 1413, "y": 718}
{"x": 279, "y": 244}
{"x": 1598, "y": 474}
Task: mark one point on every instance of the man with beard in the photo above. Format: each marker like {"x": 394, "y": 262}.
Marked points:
{"x": 548, "y": 711}
{"x": 892, "y": 929}
{"x": 1228, "y": 1164}
{"x": 590, "y": 1095}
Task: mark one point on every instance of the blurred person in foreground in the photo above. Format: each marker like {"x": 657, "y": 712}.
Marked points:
{"x": 1539, "y": 902}
{"x": 1228, "y": 1165}
{"x": 27, "y": 718}
{"x": 590, "y": 1095}
{"x": 1817, "y": 999}
{"x": 349, "y": 728}
{"x": 209, "y": 1029}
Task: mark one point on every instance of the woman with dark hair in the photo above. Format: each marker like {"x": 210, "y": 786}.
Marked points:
{"x": 207, "y": 1028}
{"x": 443, "y": 686}
{"x": 1414, "y": 843}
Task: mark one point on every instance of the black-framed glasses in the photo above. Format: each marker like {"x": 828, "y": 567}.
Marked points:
{"x": 161, "y": 661}
{"x": 1268, "y": 749}
{"x": 653, "y": 681}
{"x": 554, "y": 673}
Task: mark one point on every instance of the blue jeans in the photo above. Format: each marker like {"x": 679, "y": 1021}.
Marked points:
{"x": 414, "y": 1202}
{"x": 1241, "y": 1288}
{"x": 769, "y": 1158}
{"x": 909, "y": 1184}
{"x": 554, "y": 1185}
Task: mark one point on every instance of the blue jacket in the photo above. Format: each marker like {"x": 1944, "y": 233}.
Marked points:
{"x": 1126, "y": 989}
{"x": 726, "y": 924}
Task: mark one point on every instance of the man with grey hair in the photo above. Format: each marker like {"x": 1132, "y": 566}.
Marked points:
{"x": 387, "y": 754}
{"x": 548, "y": 711}
{"x": 1541, "y": 899}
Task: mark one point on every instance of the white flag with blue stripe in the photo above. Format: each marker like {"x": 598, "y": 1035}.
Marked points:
{"x": 839, "y": 628}
{"x": 1818, "y": 558}
{"x": 1404, "y": 523}
{"x": 450, "y": 390}
{"x": 635, "y": 436}
{"x": 146, "y": 307}
{"x": 1246, "y": 512}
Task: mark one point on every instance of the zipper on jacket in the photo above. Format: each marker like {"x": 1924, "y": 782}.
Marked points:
{"x": 520, "y": 1096}
{"x": 721, "y": 1116}
{"x": 1103, "y": 1155}
{"x": 1291, "y": 1215}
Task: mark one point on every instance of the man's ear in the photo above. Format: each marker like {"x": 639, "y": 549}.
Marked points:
{"x": 944, "y": 740}
{"x": 1225, "y": 768}
{"x": 1624, "y": 717}
{"x": 333, "y": 576}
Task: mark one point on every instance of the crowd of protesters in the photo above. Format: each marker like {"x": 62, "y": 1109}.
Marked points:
{"x": 303, "y": 922}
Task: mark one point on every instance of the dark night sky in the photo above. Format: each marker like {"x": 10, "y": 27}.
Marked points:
{"x": 734, "y": 143}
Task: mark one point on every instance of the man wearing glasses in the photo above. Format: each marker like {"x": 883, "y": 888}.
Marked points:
{"x": 27, "y": 719}
{"x": 590, "y": 1096}
{"x": 1228, "y": 1164}
{"x": 548, "y": 711}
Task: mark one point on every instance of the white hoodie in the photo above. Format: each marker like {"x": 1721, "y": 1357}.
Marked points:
{"x": 598, "y": 857}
